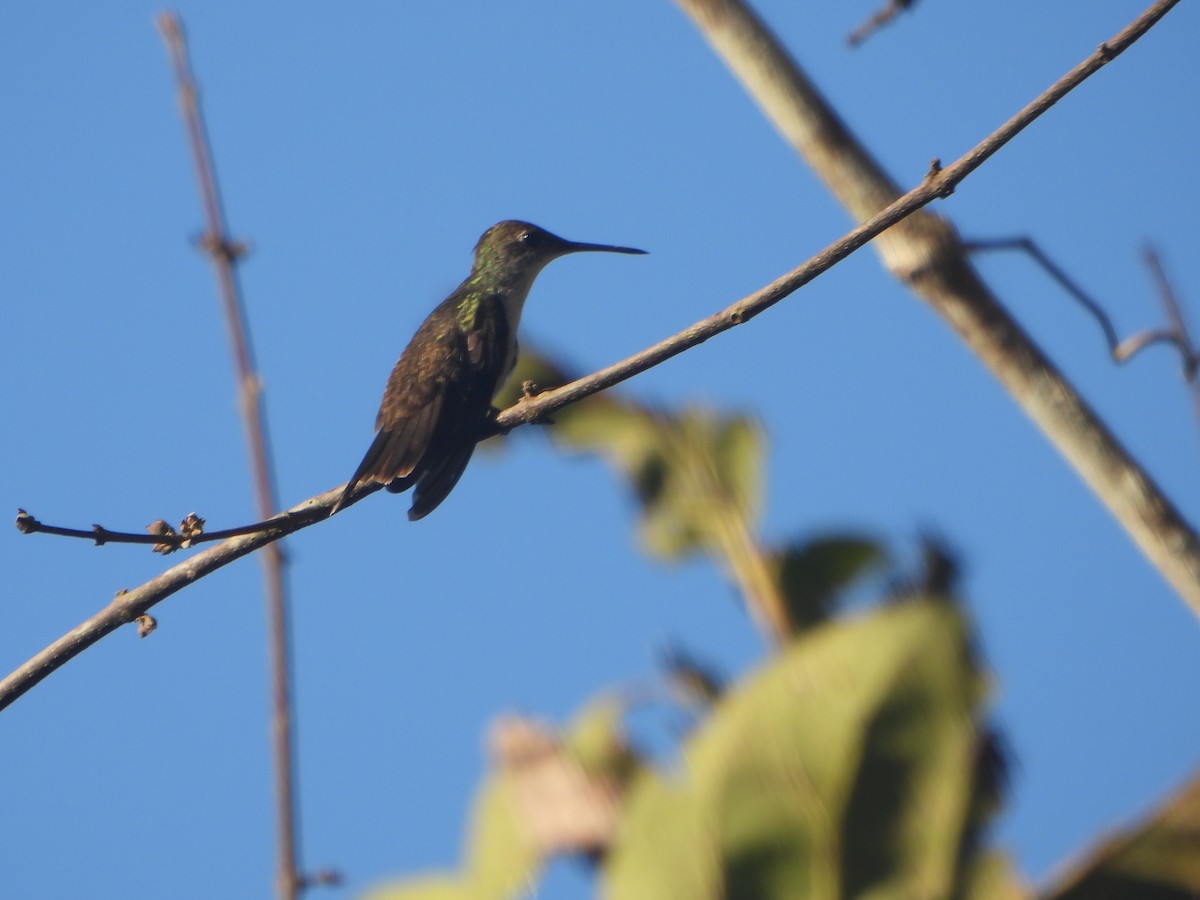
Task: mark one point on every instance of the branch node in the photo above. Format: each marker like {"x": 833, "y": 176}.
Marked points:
{"x": 190, "y": 528}
{"x": 221, "y": 248}
{"x": 146, "y": 624}
{"x": 529, "y": 390}
{"x": 159, "y": 528}
{"x": 321, "y": 878}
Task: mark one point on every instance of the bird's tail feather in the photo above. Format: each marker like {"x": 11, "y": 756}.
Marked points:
{"x": 439, "y": 480}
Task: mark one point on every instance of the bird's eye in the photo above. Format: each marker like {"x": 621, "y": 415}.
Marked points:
{"x": 530, "y": 238}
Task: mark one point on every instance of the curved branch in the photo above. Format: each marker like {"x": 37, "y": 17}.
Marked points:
{"x": 1120, "y": 350}
{"x": 164, "y": 541}
{"x": 1029, "y": 246}
{"x": 127, "y": 606}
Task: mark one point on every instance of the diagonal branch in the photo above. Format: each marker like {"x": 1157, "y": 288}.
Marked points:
{"x": 128, "y": 605}
{"x": 939, "y": 183}
{"x": 877, "y": 20}
{"x": 926, "y": 254}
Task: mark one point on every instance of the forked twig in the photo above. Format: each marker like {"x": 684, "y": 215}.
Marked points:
{"x": 1121, "y": 350}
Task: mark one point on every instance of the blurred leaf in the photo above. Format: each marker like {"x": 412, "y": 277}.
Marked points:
{"x": 814, "y": 575}
{"x": 845, "y": 767}
{"x": 940, "y": 568}
{"x": 737, "y": 449}
{"x": 689, "y": 469}
{"x": 502, "y": 858}
{"x": 987, "y": 794}
{"x": 936, "y": 573}
{"x": 698, "y": 477}
{"x": 990, "y": 876}
{"x": 694, "y": 683}
{"x": 424, "y": 888}
{"x": 622, "y": 433}
{"x": 533, "y": 367}
{"x": 596, "y": 740}
{"x": 1156, "y": 860}
{"x": 710, "y": 483}
{"x": 547, "y": 794}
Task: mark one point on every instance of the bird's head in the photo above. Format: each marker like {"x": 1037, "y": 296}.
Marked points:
{"x": 519, "y": 250}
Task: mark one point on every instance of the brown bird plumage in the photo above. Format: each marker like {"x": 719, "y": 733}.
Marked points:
{"x": 438, "y": 400}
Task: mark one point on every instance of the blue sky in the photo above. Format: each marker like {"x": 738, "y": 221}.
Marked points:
{"x": 361, "y": 152}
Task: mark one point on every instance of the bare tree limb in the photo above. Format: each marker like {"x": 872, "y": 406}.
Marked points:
{"x": 926, "y": 254}
{"x": 1082, "y": 297}
{"x": 878, "y": 19}
{"x": 127, "y": 606}
{"x": 1179, "y": 330}
{"x": 1170, "y": 303}
{"x": 940, "y": 183}
{"x": 224, "y": 254}
{"x": 164, "y": 542}
{"x": 1120, "y": 350}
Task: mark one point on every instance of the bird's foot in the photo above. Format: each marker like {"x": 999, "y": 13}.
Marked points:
{"x": 490, "y": 428}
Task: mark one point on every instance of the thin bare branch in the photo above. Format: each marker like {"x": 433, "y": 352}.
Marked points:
{"x": 1082, "y": 297}
{"x": 926, "y": 254}
{"x": 878, "y": 19}
{"x": 1170, "y": 302}
{"x": 1179, "y": 328}
{"x": 27, "y": 524}
{"x": 127, "y": 606}
{"x": 1121, "y": 350}
{"x": 224, "y": 254}
{"x": 531, "y": 409}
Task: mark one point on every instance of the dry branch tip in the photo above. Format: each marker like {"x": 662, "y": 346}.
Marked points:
{"x": 146, "y": 625}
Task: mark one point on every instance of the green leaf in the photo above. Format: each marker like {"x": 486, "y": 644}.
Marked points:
{"x": 596, "y": 739}
{"x": 738, "y": 452}
{"x": 990, "y": 876}
{"x": 814, "y": 575}
{"x": 708, "y": 477}
{"x": 424, "y": 888}
{"x": 1156, "y": 860}
{"x": 845, "y": 767}
{"x": 502, "y": 860}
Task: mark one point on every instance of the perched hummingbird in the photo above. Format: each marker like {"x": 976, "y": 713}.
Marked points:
{"x": 438, "y": 400}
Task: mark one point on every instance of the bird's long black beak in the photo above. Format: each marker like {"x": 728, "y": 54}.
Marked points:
{"x": 576, "y": 247}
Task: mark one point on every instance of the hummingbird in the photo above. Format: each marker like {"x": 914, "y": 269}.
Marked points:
{"x": 438, "y": 401}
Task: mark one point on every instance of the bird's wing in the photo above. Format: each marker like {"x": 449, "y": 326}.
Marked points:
{"x": 470, "y": 393}
{"x": 432, "y": 409}
{"x": 411, "y": 406}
